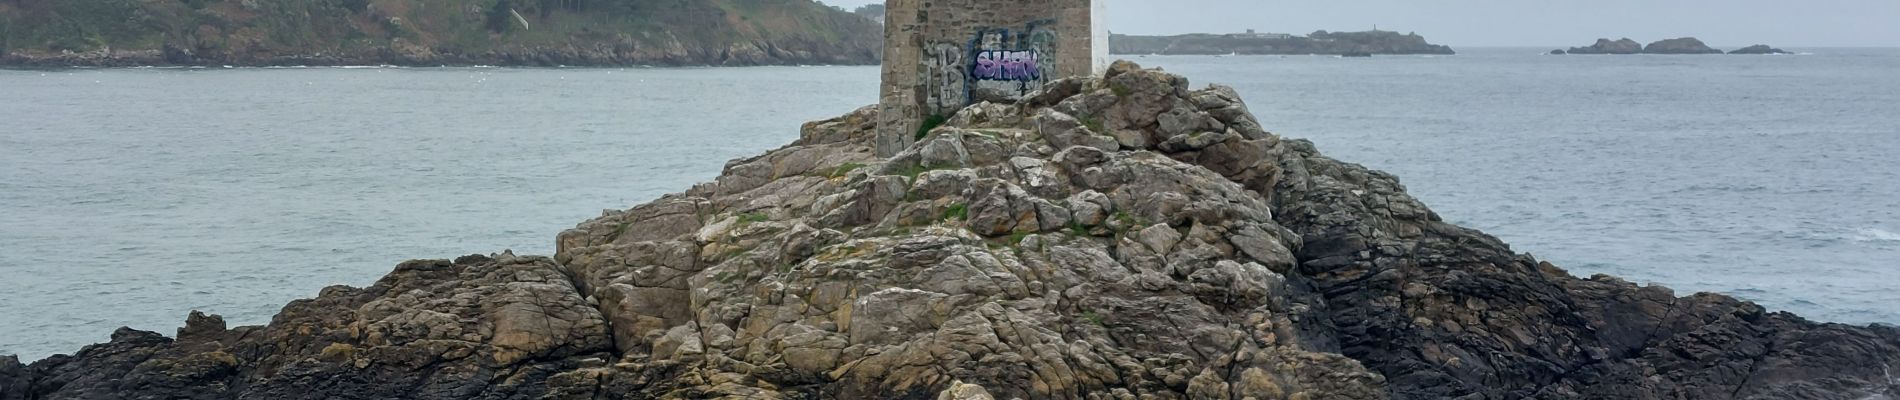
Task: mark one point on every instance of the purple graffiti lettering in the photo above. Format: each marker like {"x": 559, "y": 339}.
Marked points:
{"x": 997, "y": 65}
{"x": 987, "y": 67}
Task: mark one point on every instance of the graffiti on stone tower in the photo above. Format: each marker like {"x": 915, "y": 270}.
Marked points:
{"x": 943, "y": 55}
{"x": 1007, "y": 64}
{"x": 948, "y": 90}
{"x": 997, "y": 64}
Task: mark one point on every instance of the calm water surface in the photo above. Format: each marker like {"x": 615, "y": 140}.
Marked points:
{"x": 131, "y": 197}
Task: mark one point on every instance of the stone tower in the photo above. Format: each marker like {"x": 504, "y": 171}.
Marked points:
{"x": 941, "y": 55}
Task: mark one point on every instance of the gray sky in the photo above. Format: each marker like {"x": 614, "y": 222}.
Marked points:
{"x": 1539, "y": 23}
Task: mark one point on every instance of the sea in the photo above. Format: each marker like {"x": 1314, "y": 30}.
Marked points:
{"x": 130, "y": 197}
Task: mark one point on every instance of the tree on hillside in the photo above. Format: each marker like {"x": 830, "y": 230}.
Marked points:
{"x": 873, "y": 11}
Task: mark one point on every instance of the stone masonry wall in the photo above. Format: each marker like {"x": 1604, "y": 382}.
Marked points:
{"x": 941, "y": 55}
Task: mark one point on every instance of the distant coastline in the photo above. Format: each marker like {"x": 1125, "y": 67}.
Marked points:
{"x": 747, "y": 54}
{"x": 214, "y": 33}
{"x": 1253, "y": 43}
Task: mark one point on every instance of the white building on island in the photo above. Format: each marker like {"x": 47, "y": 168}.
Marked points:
{"x": 1257, "y": 35}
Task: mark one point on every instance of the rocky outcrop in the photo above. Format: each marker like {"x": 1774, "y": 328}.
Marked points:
{"x": 1113, "y": 237}
{"x": 1686, "y": 45}
{"x": 1606, "y": 46}
{"x": 1759, "y": 49}
{"x": 478, "y": 327}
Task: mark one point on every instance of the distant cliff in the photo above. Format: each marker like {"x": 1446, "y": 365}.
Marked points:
{"x": 39, "y": 33}
{"x": 1322, "y": 42}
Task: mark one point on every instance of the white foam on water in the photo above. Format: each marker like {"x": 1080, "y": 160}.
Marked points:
{"x": 1875, "y": 235}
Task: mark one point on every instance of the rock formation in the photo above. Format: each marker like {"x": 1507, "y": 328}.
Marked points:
{"x": 1605, "y": 46}
{"x": 1111, "y": 237}
{"x": 1759, "y": 49}
{"x": 1686, "y": 45}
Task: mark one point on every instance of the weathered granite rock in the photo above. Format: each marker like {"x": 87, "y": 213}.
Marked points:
{"x": 1759, "y": 49}
{"x": 1686, "y": 45}
{"x": 479, "y": 327}
{"x": 1606, "y": 46}
{"x": 1116, "y": 237}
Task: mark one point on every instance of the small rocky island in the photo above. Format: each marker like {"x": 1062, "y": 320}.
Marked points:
{"x": 1117, "y": 236}
{"x": 1251, "y": 43}
{"x": 1607, "y": 46}
{"x": 1686, "y": 45}
{"x": 1760, "y": 49}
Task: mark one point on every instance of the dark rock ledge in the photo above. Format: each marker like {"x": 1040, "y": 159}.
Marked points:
{"x": 1117, "y": 237}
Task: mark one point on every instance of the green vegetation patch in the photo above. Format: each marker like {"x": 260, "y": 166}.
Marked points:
{"x": 1094, "y": 317}
{"x": 1016, "y": 238}
{"x": 911, "y": 172}
{"x": 1094, "y": 125}
{"x": 958, "y": 211}
{"x": 1078, "y": 230}
{"x": 843, "y": 170}
{"x": 620, "y": 230}
{"x": 930, "y": 123}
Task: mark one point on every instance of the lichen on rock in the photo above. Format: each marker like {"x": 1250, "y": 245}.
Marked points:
{"x": 1114, "y": 237}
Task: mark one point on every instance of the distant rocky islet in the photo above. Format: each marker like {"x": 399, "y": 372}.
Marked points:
{"x": 1759, "y": 49}
{"x": 1683, "y": 45}
{"x": 1365, "y": 43}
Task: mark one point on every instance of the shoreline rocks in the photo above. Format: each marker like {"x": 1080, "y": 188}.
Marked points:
{"x": 1123, "y": 236}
